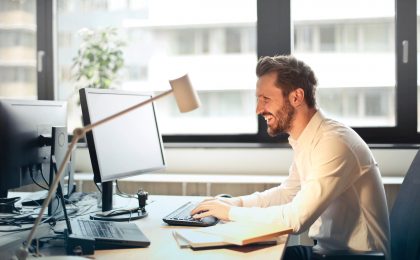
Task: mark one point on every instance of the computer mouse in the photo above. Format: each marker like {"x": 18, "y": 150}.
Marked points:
{"x": 223, "y": 195}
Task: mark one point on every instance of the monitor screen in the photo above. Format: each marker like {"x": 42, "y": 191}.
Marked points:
{"x": 25, "y": 126}
{"x": 128, "y": 145}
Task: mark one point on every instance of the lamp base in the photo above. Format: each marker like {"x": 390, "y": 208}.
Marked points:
{"x": 126, "y": 215}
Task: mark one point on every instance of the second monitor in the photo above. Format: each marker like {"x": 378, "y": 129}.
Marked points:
{"x": 127, "y": 146}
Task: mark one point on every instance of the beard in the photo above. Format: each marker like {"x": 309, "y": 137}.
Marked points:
{"x": 285, "y": 117}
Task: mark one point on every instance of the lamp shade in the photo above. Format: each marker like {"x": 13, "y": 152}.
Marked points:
{"x": 185, "y": 95}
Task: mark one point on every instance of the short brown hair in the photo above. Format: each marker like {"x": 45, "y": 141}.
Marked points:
{"x": 291, "y": 74}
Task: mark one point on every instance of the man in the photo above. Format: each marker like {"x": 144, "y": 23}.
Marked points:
{"x": 334, "y": 185}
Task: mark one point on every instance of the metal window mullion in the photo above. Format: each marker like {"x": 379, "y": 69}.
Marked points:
{"x": 44, "y": 40}
{"x": 406, "y": 71}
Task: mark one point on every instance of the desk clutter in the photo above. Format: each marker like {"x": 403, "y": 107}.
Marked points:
{"x": 26, "y": 209}
{"x": 80, "y": 236}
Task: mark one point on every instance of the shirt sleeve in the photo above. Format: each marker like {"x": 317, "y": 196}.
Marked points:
{"x": 334, "y": 168}
{"x": 281, "y": 194}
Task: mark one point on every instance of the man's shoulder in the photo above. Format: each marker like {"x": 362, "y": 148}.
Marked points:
{"x": 339, "y": 136}
{"x": 332, "y": 128}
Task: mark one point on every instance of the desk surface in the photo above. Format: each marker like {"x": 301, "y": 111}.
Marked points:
{"x": 164, "y": 246}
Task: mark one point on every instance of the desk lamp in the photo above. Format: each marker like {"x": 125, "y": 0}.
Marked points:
{"x": 186, "y": 99}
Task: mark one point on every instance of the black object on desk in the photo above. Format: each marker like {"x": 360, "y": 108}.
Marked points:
{"x": 7, "y": 205}
{"x": 125, "y": 214}
{"x": 182, "y": 217}
{"x": 108, "y": 234}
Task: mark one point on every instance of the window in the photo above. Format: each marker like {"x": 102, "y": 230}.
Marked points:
{"x": 350, "y": 37}
{"x": 89, "y": 6}
{"x": 217, "y": 51}
{"x": 376, "y": 36}
{"x": 65, "y": 40}
{"x": 233, "y": 40}
{"x": 304, "y": 38}
{"x": 18, "y": 49}
{"x": 327, "y": 37}
{"x": 349, "y": 53}
{"x": 185, "y": 40}
{"x": 362, "y": 51}
{"x": 136, "y": 73}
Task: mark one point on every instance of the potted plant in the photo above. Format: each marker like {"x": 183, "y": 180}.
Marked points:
{"x": 99, "y": 58}
{"x": 97, "y": 64}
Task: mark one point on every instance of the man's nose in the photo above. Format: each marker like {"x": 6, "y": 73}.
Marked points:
{"x": 259, "y": 109}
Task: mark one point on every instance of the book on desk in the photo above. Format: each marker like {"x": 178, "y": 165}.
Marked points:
{"x": 230, "y": 233}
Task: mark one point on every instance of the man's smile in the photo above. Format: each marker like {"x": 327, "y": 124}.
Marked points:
{"x": 269, "y": 118}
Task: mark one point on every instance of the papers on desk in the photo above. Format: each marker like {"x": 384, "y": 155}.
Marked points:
{"x": 231, "y": 233}
{"x": 187, "y": 238}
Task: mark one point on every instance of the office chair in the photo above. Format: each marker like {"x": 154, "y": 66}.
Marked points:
{"x": 404, "y": 221}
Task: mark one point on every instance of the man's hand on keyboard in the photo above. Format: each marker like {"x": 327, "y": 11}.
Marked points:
{"x": 212, "y": 207}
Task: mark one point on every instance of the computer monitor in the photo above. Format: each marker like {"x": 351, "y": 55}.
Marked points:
{"x": 126, "y": 146}
{"x": 25, "y": 141}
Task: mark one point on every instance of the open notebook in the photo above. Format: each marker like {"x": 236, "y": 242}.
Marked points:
{"x": 232, "y": 233}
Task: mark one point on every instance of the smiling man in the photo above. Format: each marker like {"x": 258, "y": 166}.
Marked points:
{"x": 334, "y": 186}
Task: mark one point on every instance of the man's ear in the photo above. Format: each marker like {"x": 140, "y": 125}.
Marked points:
{"x": 297, "y": 97}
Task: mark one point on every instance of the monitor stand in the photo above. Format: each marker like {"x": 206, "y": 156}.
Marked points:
{"x": 124, "y": 214}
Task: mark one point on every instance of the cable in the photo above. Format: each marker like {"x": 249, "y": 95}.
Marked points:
{"x": 86, "y": 210}
{"x": 58, "y": 205}
{"x": 70, "y": 202}
{"x": 13, "y": 221}
{"x": 99, "y": 189}
{"x": 39, "y": 167}
{"x": 123, "y": 194}
{"x": 17, "y": 223}
{"x": 31, "y": 173}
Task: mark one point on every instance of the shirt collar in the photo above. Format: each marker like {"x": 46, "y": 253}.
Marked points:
{"x": 308, "y": 133}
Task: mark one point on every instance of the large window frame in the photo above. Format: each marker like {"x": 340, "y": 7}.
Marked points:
{"x": 274, "y": 36}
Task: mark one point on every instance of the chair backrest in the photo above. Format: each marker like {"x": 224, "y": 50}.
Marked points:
{"x": 405, "y": 216}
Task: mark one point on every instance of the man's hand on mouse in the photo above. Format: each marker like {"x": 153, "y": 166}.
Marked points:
{"x": 218, "y": 207}
{"x": 212, "y": 207}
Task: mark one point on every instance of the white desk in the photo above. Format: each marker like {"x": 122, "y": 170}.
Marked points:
{"x": 163, "y": 244}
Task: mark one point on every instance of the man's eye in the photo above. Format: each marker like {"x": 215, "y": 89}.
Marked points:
{"x": 263, "y": 99}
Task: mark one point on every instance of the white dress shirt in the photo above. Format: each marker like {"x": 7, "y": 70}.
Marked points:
{"x": 334, "y": 188}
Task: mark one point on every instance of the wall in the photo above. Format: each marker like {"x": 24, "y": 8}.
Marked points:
{"x": 254, "y": 161}
{"x": 239, "y": 161}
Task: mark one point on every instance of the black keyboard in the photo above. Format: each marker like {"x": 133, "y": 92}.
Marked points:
{"x": 99, "y": 229}
{"x": 182, "y": 217}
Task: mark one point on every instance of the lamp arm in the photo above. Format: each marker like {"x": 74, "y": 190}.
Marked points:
{"x": 78, "y": 133}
